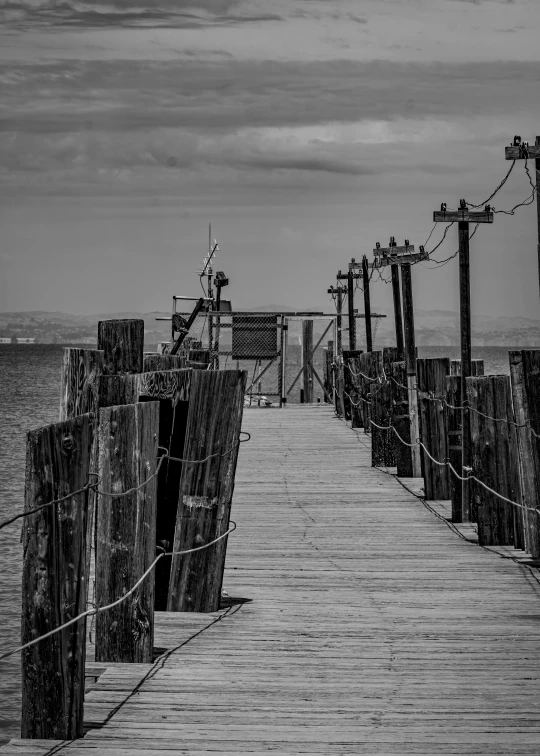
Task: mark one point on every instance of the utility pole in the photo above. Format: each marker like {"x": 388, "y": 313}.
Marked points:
{"x": 338, "y": 354}
{"x": 367, "y": 304}
{"x": 522, "y": 151}
{"x": 463, "y": 217}
{"x": 410, "y": 365}
{"x": 350, "y": 303}
{"x": 402, "y": 257}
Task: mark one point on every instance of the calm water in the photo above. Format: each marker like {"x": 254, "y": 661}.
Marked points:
{"x": 29, "y": 398}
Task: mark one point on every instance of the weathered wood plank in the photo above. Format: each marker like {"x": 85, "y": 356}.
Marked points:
{"x": 126, "y": 531}
{"x": 213, "y": 426}
{"x": 431, "y": 381}
{"x": 54, "y": 579}
{"x": 81, "y": 369}
{"x": 122, "y": 343}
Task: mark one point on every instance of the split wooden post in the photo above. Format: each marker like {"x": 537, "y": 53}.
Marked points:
{"x": 370, "y": 368}
{"x": 402, "y": 420}
{"x": 495, "y": 462}
{"x": 464, "y": 217}
{"x": 171, "y": 388}
{"x": 367, "y": 304}
{"x": 410, "y": 363}
{"x": 352, "y": 316}
{"x": 525, "y": 379}
{"x": 432, "y": 384}
{"x": 126, "y": 532}
{"x": 206, "y": 488}
{"x": 307, "y": 349}
{"x": 81, "y": 369}
{"x": 122, "y": 342}
{"x": 54, "y": 579}
{"x": 397, "y": 311}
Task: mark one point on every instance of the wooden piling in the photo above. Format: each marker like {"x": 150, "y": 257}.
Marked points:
{"x": 126, "y": 532}
{"x": 477, "y": 367}
{"x": 494, "y": 461}
{"x": 307, "y": 359}
{"x": 369, "y": 370}
{"x": 401, "y": 420}
{"x": 199, "y": 359}
{"x": 453, "y": 425}
{"x": 122, "y": 342}
{"x": 382, "y": 441}
{"x": 152, "y": 362}
{"x": 328, "y": 373}
{"x": 80, "y": 372}
{"x": 525, "y": 382}
{"x": 54, "y": 579}
{"x": 213, "y": 428}
{"x": 431, "y": 381}
{"x": 350, "y": 398}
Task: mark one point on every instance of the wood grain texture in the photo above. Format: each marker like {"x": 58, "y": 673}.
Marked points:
{"x": 122, "y": 342}
{"x": 350, "y": 397}
{"x": 153, "y": 362}
{"x": 54, "y": 579}
{"x": 214, "y": 420}
{"x": 401, "y": 419}
{"x": 81, "y": 369}
{"x": 525, "y": 381}
{"x": 514, "y": 153}
{"x": 370, "y": 368}
{"x": 126, "y": 531}
{"x": 372, "y": 627}
{"x": 462, "y": 216}
{"x": 431, "y": 381}
{"x": 477, "y": 367}
{"x": 382, "y": 413}
{"x": 495, "y": 462}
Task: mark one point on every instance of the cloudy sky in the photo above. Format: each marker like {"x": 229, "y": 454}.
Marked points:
{"x": 304, "y": 130}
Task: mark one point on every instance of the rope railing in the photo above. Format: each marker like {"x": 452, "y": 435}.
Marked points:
{"x": 99, "y": 609}
{"x": 430, "y": 396}
{"x": 120, "y": 494}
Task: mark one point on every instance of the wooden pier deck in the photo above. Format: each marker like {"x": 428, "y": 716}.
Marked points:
{"x": 358, "y": 623}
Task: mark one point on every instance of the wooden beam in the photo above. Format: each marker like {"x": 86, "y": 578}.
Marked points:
{"x": 126, "y": 532}
{"x": 519, "y": 153}
{"x": 54, "y": 579}
{"x": 382, "y": 262}
{"x": 392, "y": 251}
{"x": 463, "y": 215}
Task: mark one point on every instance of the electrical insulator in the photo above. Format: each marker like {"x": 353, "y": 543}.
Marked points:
{"x": 443, "y": 207}
{"x": 517, "y": 141}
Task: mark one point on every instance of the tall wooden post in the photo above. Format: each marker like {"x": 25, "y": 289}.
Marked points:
{"x": 397, "y": 311}
{"x": 284, "y": 345}
{"x": 466, "y": 366}
{"x": 54, "y": 579}
{"x": 537, "y": 166}
{"x": 122, "y": 342}
{"x": 213, "y": 428}
{"x": 410, "y": 364}
{"x": 307, "y": 348}
{"x": 339, "y": 322}
{"x": 367, "y": 304}
{"x": 352, "y": 319}
{"x": 126, "y": 531}
{"x": 463, "y": 216}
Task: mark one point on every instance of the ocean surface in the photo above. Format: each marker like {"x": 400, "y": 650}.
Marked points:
{"x": 29, "y": 398}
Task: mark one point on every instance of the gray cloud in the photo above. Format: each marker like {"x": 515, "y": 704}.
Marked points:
{"x": 91, "y": 14}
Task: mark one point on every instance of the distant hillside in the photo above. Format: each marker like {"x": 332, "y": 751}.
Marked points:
{"x": 433, "y": 327}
